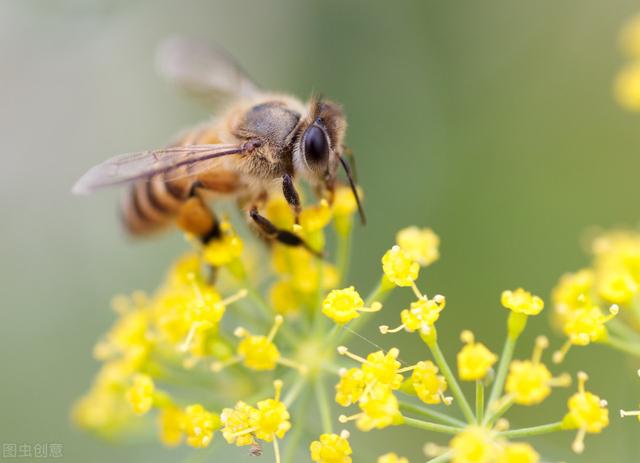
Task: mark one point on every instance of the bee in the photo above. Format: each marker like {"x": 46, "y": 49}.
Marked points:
{"x": 259, "y": 143}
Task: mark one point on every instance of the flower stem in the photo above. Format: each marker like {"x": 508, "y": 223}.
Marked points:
{"x": 428, "y": 426}
{"x": 492, "y": 416}
{"x": 624, "y": 331}
{"x": 295, "y": 391}
{"x": 432, "y": 414}
{"x": 623, "y": 345}
{"x": 533, "y": 431}
{"x": 293, "y": 439}
{"x": 503, "y": 366}
{"x": 479, "y": 400}
{"x": 460, "y": 399}
{"x": 323, "y": 406}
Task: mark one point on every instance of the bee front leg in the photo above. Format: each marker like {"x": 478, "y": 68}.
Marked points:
{"x": 281, "y": 236}
{"x": 291, "y": 195}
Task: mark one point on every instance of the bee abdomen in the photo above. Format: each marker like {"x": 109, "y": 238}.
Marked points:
{"x": 150, "y": 205}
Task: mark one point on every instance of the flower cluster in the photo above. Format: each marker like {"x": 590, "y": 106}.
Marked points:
{"x": 227, "y": 347}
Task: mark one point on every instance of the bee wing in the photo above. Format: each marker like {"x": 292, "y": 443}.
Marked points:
{"x": 130, "y": 167}
{"x": 204, "y": 71}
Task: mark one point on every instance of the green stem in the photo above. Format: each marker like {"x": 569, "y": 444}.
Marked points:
{"x": 459, "y": 397}
{"x": 293, "y": 438}
{"x": 323, "y": 406}
{"x": 622, "y": 345}
{"x": 431, "y": 414}
{"x": 624, "y": 331}
{"x": 479, "y": 400}
{"x": 492, "y": 416}
{"x": 503, "y": 367}
{"x": 441, "y": 458}
{"x": 295, "y": 391}
{"x": 428, "y": 426}
{"x": 533, "y": 431}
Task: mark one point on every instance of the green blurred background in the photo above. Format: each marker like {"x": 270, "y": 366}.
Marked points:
{"x": 492, "y": 122}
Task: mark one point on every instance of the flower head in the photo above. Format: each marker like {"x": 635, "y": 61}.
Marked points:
{"x": 587, "y": 413}
{"x": 420, "y": 243}
{"x": 521, "y": 301}
{"x": 343, "y": 305}
{"x": 420, "y": 316}
{"x": 350, "y": 387}
{"x": 271, "y": 418}
{"x": 331, "y": 448}
{"x": 428, "y": 384}
{"x": 237, "y": 424}
{"x": 399, "y": 268}
{"x": 474, "y": 359}
{"x": 199, "y": 425}
{"x": 473, "y": 445}
{"x": 140, "y": 394}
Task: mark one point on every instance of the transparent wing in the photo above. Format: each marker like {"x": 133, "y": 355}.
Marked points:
{"x": 142, "y": 165}
{"x": 204, "y": 71}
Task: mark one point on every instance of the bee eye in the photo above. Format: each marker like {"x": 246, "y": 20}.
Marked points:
{"x": 316, "y": 147}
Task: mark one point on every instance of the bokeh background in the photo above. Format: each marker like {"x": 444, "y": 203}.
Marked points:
{"x": 492, "y": 122}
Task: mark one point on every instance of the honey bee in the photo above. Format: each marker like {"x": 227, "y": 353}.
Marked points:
{"x": 260, "y": 142}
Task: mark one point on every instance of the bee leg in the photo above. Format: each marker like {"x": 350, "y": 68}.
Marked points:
{"x": 282, "y": 236}
{"x": 196, "y": 218}
{"x": 291, "y": 195}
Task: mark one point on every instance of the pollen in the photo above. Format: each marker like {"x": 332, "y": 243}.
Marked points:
{"x": 199, "y": 425}
{"x": 588, "y": 413}
{"x": 420, "y": 243}
{"x": 474, "y": 359}
{"x": 399, "y": 268}
{"x": 331, "y": 448}
{"x": 521, "y": 301}
{"x": 343, "y": 305}
{"x": 140, "y": 394}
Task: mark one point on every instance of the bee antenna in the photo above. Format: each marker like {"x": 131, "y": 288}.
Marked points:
{"x": 354, "y": 189}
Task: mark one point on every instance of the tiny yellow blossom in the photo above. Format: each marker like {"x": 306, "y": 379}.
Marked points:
{"x": 529, "y": 381}
{"x": 171, "y": 424}
{"x": 140, "y": 394}
{"x": 259, "y": 352}
{"x": 573, "y": 290}
{"x": 420, "y": 243}
{"x": 584, "y": 326}
{"x": 331, "y": 448}
{"x": 428, "y": 384}
{"x": 379, "y": 410}
{"x": 474, "y": 359}
{"x": 343, "y": 305}
{"x": 627, "y": 87}
{"x": 518, "y": 452}
{"x": 271, "y": 418}
{"x": 587, "y": 413}
{"x": 521, "y": 301}
{"x": 237, "y": 424}
{"x": 350, "y": 387}
{"x": 391, "y": 458}
{"x": 383, "y": 368}
{"x": 617, "y": 287}
{"x": 224, "y": 250}
{"x": 314, "y": 218}
{"x": 399, "y": 268}
{"x": 278, "y": 211}
{"x": 199, "y": 425}
{"x": 473, "y": 445}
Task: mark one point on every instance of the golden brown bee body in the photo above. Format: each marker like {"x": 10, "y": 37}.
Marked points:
{"x": 260, "y": 142}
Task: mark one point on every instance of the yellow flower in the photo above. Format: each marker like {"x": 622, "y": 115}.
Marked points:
{"x": 587, "y": 413}
{"x": 518, "y": 452}
{"x": 573, "y": 290}
{"x": 140, "y": 394}
{"x": 278, "y": 211}
{"x": 259, "y": 352}
{"x": 428, "y": 384}
{"x": 584, "y": 326}
{"x": 314, "y": 218}
{"x": 391, "y": 458}
{"x": 379, "y": 409}
{"x": 237, "y": 424}
{"x": 223, "y": 250}
{"x": 331, "y": 448}
{"x": 529, "y": 381}
{"x": 383, "y": 368}
{"x": 171, "y": 424}
{"x": 473, "y": 445}
{"x": 271, "y": 418}
{"x": 399, "y": 268}
{"x": 627, "y": 87}
{"x": 617, "y": 287}
{"x": 350, "y": 387}
{"x": 199, "y": 425}
{"x": 474, "y": 359}
{"x": 521, "y": 301}
{"x": 343, "y": 305}
{"x": 420, "y": 243}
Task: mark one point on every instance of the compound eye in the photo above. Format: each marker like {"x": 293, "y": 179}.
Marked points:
{"x": 316, "y": 146}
